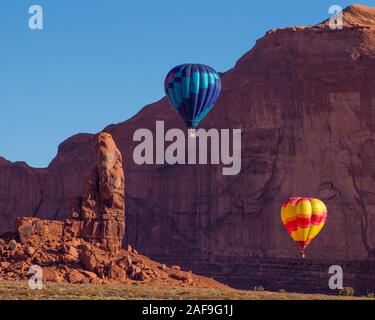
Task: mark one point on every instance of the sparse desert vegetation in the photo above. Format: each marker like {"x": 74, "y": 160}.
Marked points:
{"x": 19, "y": 290}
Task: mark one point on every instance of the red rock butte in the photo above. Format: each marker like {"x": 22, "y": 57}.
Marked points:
{"x": 304, "y": 98}
{"x": 87, "y": 248}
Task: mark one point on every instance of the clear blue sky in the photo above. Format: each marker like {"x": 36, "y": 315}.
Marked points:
{"x": 99, "y": 62}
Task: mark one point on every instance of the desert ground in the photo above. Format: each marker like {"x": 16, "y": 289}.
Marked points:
{"x": 19, "y": 290}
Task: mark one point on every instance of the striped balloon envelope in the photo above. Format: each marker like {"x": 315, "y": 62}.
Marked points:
{"x": 192, "y": 90}
{"x": 303, "y": 218}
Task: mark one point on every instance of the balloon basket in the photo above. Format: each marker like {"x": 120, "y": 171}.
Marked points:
{"x": 192, "y": 133}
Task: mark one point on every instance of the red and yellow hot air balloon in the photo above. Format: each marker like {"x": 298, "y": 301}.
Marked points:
{"x": 303, "y": 218}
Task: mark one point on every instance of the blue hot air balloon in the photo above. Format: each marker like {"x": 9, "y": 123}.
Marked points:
{"x": 192, "y": 90}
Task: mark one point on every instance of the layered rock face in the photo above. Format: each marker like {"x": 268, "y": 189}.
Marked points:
{"x": 101, "y": 211}
{"x": 99, "y": 216}
{"x": 46, "y": 193}
{"x": 304, "y": 98}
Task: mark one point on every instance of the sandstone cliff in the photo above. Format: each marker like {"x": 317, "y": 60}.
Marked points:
{"x": 304, "y": 98}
